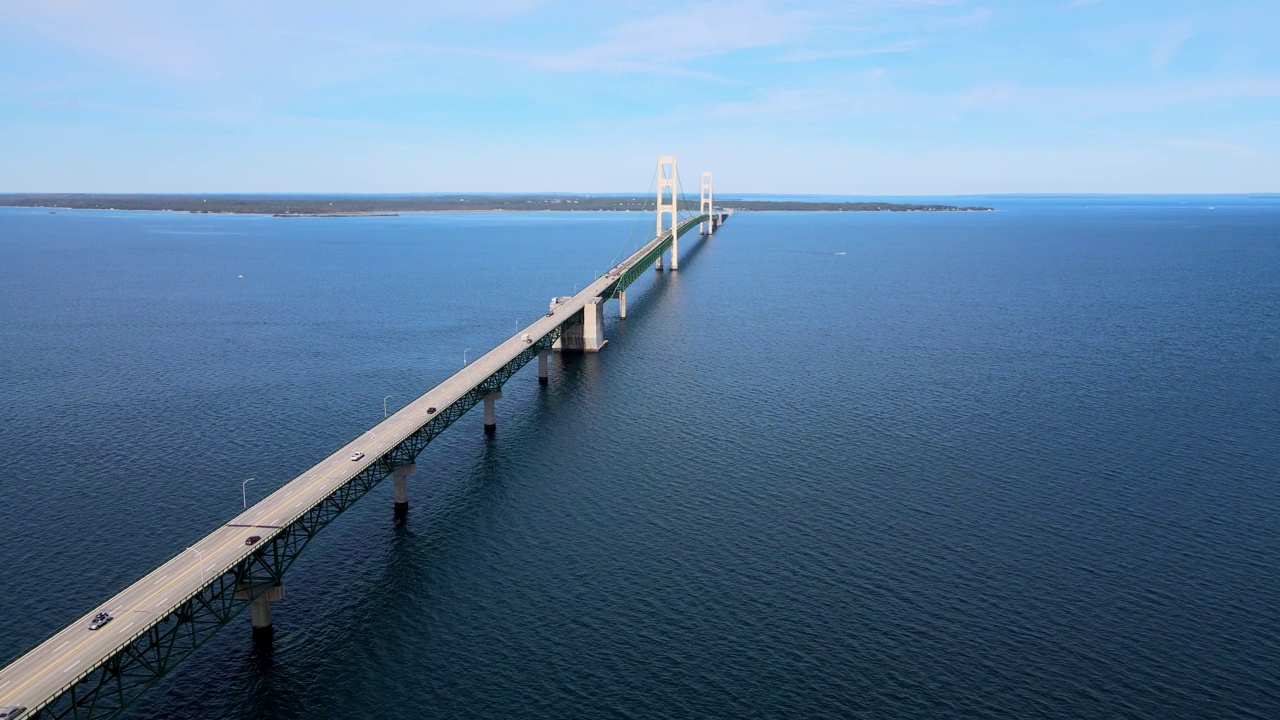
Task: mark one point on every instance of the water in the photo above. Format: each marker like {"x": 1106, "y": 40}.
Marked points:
{"x": 982, "y": 465}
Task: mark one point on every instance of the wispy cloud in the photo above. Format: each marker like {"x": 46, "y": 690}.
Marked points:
{"x": 692, "y": 32}
{"x": 974, "y": 19}
{"x": 796, "y": 56}
{"x": 206, "y": 41}
{"x": 809, "y": 104}
{"x": 1169, "y": 41}
{"x": 1219, "y": 146}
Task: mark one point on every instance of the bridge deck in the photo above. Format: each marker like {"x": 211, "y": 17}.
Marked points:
{"x": 53, "y": 667}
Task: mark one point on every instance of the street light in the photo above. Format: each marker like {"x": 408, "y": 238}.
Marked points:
{"x": 464, "y": 357}
{"x": 244, "y": 498}
{"x": 518, "y": 322}
{"x": 384, "y": 407}
{"x": 200, "y": 559}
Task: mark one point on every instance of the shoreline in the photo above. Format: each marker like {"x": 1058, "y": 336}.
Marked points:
{"x": 346, "y": 206}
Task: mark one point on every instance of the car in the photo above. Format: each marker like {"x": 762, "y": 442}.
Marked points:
{"x": 11, "y": 711}
{"x": 430, "y": 410}
{"x": 99, "y": 620}
{"x": 357, "y": 456}
{"x": 252, "y": 539}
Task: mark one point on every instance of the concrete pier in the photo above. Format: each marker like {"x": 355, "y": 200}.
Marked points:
{"x": 543, "y": 375}
{"x": 260, "y": 609}
{"x": 593, "y": 325}
{"x": 401, "y": 489}
{"x": 490, "y": 419}
{"x": 622, "y": 304}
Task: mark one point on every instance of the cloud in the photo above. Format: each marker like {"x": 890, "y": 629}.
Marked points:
{"x": 690, "y": 33}
{"x": 806, "y": 103}
{"x": 979, "y": 16}
{"x": 1104, "y": 99}
{"x": 192, "y": 41}
{"x": 1219, "y": 146}
{"x": 1168, "y": 43}
{"x": 796, "y": 56}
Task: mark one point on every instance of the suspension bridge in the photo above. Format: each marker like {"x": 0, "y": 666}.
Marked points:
{"x": 161, "y": 619}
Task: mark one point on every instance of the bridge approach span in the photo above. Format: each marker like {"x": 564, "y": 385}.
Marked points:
{"x": 164, "y": 616}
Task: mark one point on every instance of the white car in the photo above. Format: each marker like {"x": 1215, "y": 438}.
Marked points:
{"x": 100, "y": 619}
{"x": 355, "y": 456}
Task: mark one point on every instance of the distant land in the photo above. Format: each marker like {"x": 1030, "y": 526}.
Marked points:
{"x": 349, "y": 205}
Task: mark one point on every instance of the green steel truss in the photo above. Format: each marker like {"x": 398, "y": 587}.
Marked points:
{"x": 118, "y": 680}
{"x": 107, "y": 689}
{"x": 647, "y": 260}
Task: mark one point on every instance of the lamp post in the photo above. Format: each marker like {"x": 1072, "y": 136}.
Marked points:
{"x": 518, "y": 322}
{"x": 244, "y": 499}
{"x": 464, "y": 357}
{"x": 384, "y": 407}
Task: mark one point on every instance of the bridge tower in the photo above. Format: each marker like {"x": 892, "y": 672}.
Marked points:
{"x": 706, "y": 206}
{"x": 667, "y": 181}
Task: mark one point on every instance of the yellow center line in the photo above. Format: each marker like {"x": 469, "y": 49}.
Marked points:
{"x": 457, "y": 379}
{"x": 137, "y": 606}
{"x": 144, "y": 604}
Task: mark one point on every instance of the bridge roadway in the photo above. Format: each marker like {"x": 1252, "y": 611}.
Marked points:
{"x": 53, "y": 667}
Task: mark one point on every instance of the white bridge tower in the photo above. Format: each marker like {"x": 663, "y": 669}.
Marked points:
{"x": 667, "y": 204}
{"x": 706, "y": 206}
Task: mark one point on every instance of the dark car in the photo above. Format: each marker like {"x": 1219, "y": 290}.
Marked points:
{"x": 11, "y": 711}
{"x": 430, "y": 410}
{"x": 252, "y": 539}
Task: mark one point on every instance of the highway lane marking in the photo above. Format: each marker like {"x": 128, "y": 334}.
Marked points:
{"x": 6, "y": 682}
{"x": 449, "y": 391}
{"x": 61, "y": 646}
{"x": 162, "y": 577}
{"x": 49, "y": 667}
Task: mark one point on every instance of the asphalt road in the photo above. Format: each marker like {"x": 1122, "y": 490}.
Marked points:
{"x": 44, "y": 673}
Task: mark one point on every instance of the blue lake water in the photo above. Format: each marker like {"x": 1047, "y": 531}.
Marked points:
{"x": 1021, "y": 463}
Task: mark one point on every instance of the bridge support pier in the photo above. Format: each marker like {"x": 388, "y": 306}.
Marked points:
{"x": 658, "y": 265}
{"x": 490, "y": 420}
{"x": 543, "y": 376}
{"x": 260, "y": 609}
{"x": 622, "y": 304}
{"x": 593, "y": 326}
{"x": 401, "y": 489}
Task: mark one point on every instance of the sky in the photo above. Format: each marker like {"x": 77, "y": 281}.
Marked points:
{"x": 856, "y": 97}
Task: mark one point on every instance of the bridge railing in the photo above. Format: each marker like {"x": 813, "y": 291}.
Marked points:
{"x": 103, "y": 690}
{"x": 637, "y": 268}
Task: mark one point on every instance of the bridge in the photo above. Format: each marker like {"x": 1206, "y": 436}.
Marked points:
{"x": 163, "y": 617}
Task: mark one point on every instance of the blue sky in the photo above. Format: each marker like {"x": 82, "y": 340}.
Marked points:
{"x": 869, "y": 97}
